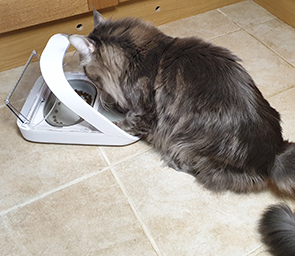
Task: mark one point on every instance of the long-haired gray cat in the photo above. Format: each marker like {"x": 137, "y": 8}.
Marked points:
{"x": 195, "y": 104}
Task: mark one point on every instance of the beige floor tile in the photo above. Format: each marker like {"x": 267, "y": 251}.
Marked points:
{"x": 30, "y": 169}
{"x": 277, "y": 35}
{"x": 9, "y": 243}
{"x": 284, "y": 103}
{"x": 206, "y": 25}
{"x": 186, "y": 219}
{"x": 246, "y": 13}
{"x": 271, "y": 73}
{"x": 89, "y": 218}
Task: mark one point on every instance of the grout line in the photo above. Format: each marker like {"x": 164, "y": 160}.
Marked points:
{"x": 123, "y": 159}
{"x": 246, "y": 30}
{"x": 219, "y": 10}
{"x": 68, "y": 184}
{"x": 254, "y": 250}
{"x": 146, "y": 230}
{"x": 271, "y": 49}
{"x": 104, "y": 156}
{"x": 224, "y": 34}
{"x": 240, "y": 26}
{"x": 278, "y": 55}
{"x": 48, "y": 193}
{"x": 224, "y": 14}
{"x": 278, "y": 93}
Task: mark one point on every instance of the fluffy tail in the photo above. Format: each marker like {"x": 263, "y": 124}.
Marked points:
{"x": 283, "y": 171}
{"x": 277, "y": 227}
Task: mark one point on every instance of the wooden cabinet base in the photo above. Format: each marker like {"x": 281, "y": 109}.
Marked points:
{"x": 16, "y": 46}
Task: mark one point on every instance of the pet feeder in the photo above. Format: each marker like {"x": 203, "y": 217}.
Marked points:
{"x": 64, "y": 107}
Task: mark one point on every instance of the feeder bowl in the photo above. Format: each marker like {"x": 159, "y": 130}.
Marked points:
{"x": 64, "y": 107}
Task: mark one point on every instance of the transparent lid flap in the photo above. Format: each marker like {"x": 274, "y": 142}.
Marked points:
{"x": 23, "y": 86}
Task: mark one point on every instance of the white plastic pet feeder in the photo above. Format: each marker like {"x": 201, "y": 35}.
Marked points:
{"x": 65, "y": 107}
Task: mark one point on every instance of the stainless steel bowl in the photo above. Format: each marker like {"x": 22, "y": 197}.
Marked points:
{"x": 57, "y": 114}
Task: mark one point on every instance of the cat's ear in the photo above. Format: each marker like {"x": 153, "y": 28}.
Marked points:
{"x": 84, "y": 46}
{"x": 98, "y": 19}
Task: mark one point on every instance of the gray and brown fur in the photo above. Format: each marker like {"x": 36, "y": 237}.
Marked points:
{"x": 193, "y": 101}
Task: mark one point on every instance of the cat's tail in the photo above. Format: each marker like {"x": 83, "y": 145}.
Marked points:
{"x": 282, "y": 173}
{"x": 277, "y": 227}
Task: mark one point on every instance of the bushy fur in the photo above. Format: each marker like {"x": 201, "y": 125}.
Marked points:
{"x": 277, "y": 227}
{"x": 193, "y": 101}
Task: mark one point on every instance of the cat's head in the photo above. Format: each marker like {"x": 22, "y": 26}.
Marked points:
{"x": 111, "y": 53}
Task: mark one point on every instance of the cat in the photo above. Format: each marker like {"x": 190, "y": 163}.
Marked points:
{"x": 193, "y": 101}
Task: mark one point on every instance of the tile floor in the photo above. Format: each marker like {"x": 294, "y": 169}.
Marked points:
{"x": 90, "y": 200}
